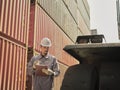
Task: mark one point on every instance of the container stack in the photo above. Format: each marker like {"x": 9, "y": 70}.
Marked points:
{"x": 14, "y": 26}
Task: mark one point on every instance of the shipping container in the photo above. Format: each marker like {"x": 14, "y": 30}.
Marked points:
{"x": 87, "y": 7}
{"x": 14, "y": 26}
{"x": 72, "y": 8}
{"x": 13, "y": 59}
{"x": 82, "y": 25}
{"x": 61, "y": 15}
{"x": 14, "y": 18}
{"x": 84, "y": 12}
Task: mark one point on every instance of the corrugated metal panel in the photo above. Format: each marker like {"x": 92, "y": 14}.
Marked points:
{"x": 72, "y": 7}
{"x": 57, "y": 10}
{"x": 82, "y": 25}
{"x": 12, "y": 65}
{"x": 87, "y": 6}
{"x": 14, "y": 19}
{"x": 45, "y": 27}
{"x": 84, "y": 12}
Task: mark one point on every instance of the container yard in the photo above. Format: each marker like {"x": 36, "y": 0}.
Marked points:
{"x": 23, "y": 23}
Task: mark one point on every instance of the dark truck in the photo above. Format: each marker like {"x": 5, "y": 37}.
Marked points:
{"x": 99, "y": 67}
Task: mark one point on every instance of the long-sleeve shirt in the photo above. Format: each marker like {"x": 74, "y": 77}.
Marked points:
{"x": 43, "y": 82}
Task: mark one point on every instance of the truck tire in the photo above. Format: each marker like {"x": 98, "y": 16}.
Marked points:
{"x": 80, "y": 77}
{"x": 110, "y": 76}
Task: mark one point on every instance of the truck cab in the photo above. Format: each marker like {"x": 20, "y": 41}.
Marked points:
{"x": 99, "y": 64}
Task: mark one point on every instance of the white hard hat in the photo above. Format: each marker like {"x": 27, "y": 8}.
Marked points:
{"x": 46, "y": 42}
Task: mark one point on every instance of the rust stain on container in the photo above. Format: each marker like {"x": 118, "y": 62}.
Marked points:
{"x": 12, "y": 65}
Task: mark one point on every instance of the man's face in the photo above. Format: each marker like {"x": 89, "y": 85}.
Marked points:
{"x": 44, "y": 50}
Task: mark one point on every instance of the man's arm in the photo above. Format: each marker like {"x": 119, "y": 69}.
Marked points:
{"x": 56, "y": 68}
{"x": 30, "y": 69}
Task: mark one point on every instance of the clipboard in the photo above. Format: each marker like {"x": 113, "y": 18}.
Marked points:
{"x": 39, "y": 72}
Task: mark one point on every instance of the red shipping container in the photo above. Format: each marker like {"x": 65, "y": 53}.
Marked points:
{"x": 14, "y": 18}
{"x": 13, "y": 59}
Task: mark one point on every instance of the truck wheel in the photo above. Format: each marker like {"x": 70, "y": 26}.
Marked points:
{"x": 80, "y": 77}
{"x": 110, "y": 76}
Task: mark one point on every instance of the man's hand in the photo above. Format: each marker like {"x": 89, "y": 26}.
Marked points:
{"x": 35, "y": 63}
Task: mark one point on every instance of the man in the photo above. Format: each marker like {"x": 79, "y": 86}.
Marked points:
{"x": 43, "y": 82}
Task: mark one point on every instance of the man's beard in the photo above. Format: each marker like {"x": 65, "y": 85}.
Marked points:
{"x": 45, "y": 53}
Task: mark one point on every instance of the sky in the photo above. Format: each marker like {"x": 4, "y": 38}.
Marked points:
{"x": 103, "y": 17}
